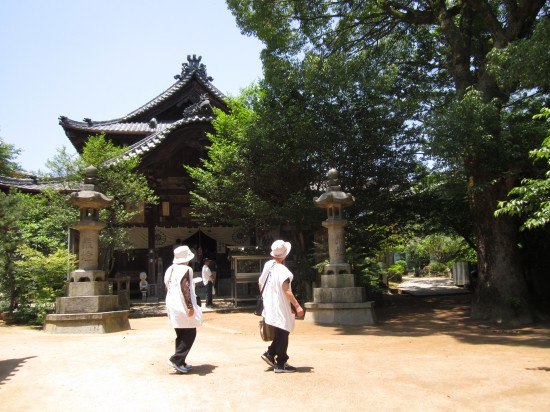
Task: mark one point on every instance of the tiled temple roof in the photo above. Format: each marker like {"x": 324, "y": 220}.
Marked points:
{"x": 150, "y": 142}
{"x": 31, "y": 184}
{"x": 115, "y": 126}
{"x": 126, "y": 123}
{"x": 193, "y": 67}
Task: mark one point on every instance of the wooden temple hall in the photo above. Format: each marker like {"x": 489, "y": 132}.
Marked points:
{"x": 168, "y": 132}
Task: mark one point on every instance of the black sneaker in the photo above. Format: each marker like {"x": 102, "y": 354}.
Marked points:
{"x": 286, "y": 368}
{"x": 268, "y": 359}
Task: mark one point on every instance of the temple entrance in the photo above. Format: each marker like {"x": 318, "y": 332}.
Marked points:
{"x": 203, "y": 246}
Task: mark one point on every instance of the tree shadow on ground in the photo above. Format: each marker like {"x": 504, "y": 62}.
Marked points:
{"x": 406, "y": 315}
{"x": 9, "y": 366}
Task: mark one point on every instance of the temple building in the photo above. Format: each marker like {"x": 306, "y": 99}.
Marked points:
{"x": 167, "y": 133}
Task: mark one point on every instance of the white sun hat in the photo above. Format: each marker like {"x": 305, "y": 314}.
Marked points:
{"x": 280, "y": 249}
{"x": 183, "y": 254}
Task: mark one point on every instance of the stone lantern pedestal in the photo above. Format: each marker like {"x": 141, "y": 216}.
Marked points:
{"x": 338, "y": 301}
{"x": 88, "y": 306}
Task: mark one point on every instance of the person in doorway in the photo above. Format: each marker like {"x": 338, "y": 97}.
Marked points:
{"x": 208, "y": 279}
{"x": 277, "y": 312}
{"x": 214, "y": 269}
{"x": 195, "y": 263}
{"x": 184, "y": 314}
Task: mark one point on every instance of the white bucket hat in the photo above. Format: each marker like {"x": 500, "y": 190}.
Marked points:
{"x": 280, "y": 249}
{"x": 183, "y": 254}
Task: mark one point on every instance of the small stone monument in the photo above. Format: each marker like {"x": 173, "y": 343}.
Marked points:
{"x": 338, "y": 301}
{"x": 88, "y": 308}
{"x": 143, "y": 285}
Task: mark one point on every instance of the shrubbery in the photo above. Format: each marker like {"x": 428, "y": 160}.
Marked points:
{"x": 40, "y": 279}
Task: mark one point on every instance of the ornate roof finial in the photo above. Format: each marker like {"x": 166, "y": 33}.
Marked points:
{"x": 90, "y": 176}
{"x": 194, "y": 65}
{"x": 202, "y": 107}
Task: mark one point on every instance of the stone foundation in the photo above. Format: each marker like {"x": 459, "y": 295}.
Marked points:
{"x": 361, "y": 313}
{"x": 86, "y": 304}
{"x": 103, "y": 322}
{"x": 339, "y": 302}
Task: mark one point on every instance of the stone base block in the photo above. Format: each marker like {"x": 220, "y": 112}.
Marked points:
{"x": 338, "y": 281}
{"x": 87, "y": 275}
{"x": 340, "y": 295}
{"x": 103, "y": 322}
{"x": 86, "y": 304}
{"x": 88, "y": 288}
{"x": 337, "y": 269}
{"x": 341, "y": 313}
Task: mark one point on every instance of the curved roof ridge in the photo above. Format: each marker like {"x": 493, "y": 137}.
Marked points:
{"x": 128, "y": 127}
{"x": 153, "y": 140}
{"x": 188, "y": 70}
{"x": 34, "y": 183}
{"x": 193, "y": 67}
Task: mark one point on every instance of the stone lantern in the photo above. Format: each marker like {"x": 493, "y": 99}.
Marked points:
{"x": 89, "y": 307}
{"x": 89, "y": 202}
{"x": 338, "y": 301}
{"x": 334, "y": 200}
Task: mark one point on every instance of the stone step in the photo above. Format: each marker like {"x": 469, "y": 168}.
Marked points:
{"x": 346, "y": 280}
{"x": 86, "y": 304}
{"x": 339, "y": 295}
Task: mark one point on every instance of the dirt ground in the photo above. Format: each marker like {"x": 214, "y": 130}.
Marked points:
{"x": 423, "y": 355}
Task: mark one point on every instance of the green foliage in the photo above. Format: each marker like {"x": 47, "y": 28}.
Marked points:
{"x": 530, "y": 200}
{"x": 367, "y": 271}
{"x": 33, "y": 236}
{"x": 253, "y": 177}
{"x": 396, "y": 271}
{"x": 370, "y": 277}
{"x": 40, "y": 279}
{"x": 117, "y": 178}
{"x": 11, "y": 212}
{"x": 34, "y": 262}
{"x": 438, "y": 249}
{"x": 471, "y": 108}
{"x": 8, "y": 165}
{"x": 523, "y": 62}
{"x": 46, "y": 221}
{"x": 438, "y": 268}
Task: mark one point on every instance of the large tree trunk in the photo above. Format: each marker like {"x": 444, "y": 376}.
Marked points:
{"x": 501, "y": 294}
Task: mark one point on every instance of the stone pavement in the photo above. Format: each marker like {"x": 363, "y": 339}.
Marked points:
{"x": 423, "y": 355}
{"x": 430, "y": 286}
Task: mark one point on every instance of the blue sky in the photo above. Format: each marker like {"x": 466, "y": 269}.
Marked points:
{"x": 103, "y": 59}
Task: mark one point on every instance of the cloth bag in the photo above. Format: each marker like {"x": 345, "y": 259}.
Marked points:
{"x": 267, "y": 332}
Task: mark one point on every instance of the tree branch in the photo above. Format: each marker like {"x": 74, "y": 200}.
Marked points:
{"x": 497, "y": 31}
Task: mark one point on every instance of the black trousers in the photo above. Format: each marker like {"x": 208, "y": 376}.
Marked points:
{"x": 209, "y": 293}
{"x": 279, "y": 346}
{"x": 184, "y": 342}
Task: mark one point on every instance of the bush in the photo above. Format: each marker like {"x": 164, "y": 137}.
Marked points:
{"x": 438, "y": 268}
{"x": 370, "y": 277}
{"x": 40, "y": 279}
{"x": 397, "y": 271}
{"x": 30, "y": 315}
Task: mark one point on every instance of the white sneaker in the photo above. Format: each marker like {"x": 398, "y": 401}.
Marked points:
{"x": 178, "y": 368}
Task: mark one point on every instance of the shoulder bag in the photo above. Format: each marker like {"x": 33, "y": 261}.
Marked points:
{"x": 267, "y": 332}
{"x": 260, "y": 302}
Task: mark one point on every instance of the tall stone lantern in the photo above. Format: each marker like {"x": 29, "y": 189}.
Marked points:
{"x": 88, "y": 308}
{"x": 89, "y": 202}
{"x": 334, "y": 200}
{"x": 338, "y": 301}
